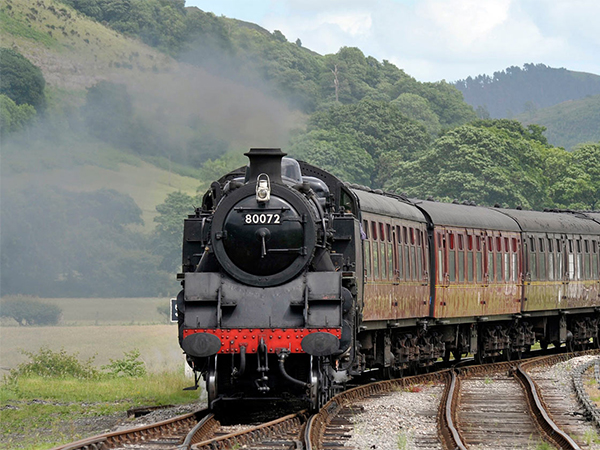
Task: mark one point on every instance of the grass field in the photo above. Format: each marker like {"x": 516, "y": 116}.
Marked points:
{"x": 104, "y": 328}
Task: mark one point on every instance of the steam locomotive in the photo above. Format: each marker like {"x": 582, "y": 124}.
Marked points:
{"x": 295, "y": 282}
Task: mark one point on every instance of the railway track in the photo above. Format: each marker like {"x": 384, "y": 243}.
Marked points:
{"x": 513, "y": 410}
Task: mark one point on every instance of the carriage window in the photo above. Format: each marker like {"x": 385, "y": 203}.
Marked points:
{"x": 389, "y": 232}
{"x": 579, "y": 266}
{"x": 594, "y": 261}
{"x": 413, "y": 264}
{"x": 506, "y": 247}
{"x": 399, "y": 234}
{"x": 452, "y": 265}
{"x": 407, "y": 263}
{"x": 440, "y": 266}
{"x": 514, "y": 244}
{"x": 478, "y": 243}
{"x": 479, "y": 267}
{"x": 390, "y": 262}
{"x": 578, "y": 245}
{"x": 571, "y": 266}
{"x": 490, "y": 267}
{"x": 498, "y": 266}
{"x": 541, "y": 240}
{"x": 470, "y": 242}
{"x": 515, "y": 268}
{"x": 490, "y": 243}
{"x": 375, "y": 260}
{"x": 382, "y": 261}
{"x": 470, "y": 267}
{"x": 533, "y": 265}
{"x": 559, "y": 267}
{"x": 588, "y": 267}
{"x": 419, "y": 264}
{"x": 570, "y": 245}
{"x": 543, "y": 266}
{"x": 531, "y": 244}
{"x": 498, "y": 244}
{"x": 506, "y": 267}
{"x": 374, "y": 228}
{"x": 400, "y": 263}
{"x": 412, "y": 236}
{"x": 558, "y": 246}
{"x": 550, "y": 249}
{"x": 368, "y": 259}
{"x": 451, "y": 238}
{"x": 381, "y": 232}
{"x": 366, "y": 228}
{"x": 460, "y": 242}
{"x": 404, "y": 235}
{"x": 551, "y": 266}
{"x": 418, "y": 237}
{"x": 461, "y": 266}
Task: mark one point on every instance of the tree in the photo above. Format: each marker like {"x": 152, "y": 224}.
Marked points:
{"x": 14, "y": 117}
{"x": 417, "y": 108}
{"x": 484, "y": 162}
{"x": 169, "y": 228}
{"x": 108, "y": 112}
{"x": 21, "y": 81}
{"x": 30, "y": 312}
{"x": 376, "y": 128}
{"x": 335, "y": 152}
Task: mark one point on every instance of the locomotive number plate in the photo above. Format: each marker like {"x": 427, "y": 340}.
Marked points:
{"x": 256, "y": 219}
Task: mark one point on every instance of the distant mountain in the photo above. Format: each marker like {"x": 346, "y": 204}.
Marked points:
{"x": 568, "y": 123}
{"x": 514, "y": 91}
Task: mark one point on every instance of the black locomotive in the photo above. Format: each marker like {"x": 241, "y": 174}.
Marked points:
{"x": 294, "y": 282}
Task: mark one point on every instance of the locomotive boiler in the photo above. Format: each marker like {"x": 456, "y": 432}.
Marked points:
{"x": 294, "y": 282}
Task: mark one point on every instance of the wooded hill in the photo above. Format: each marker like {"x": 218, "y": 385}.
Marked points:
{"x": 150, "y": 87}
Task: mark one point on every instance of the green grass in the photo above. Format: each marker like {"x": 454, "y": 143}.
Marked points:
{"x": 42, "y": 413}
{"x": 15, "y": 25}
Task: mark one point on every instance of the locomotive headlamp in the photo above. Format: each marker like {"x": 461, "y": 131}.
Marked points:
{"x": 263, "y": 188}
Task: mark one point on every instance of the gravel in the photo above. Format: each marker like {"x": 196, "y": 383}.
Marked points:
{"x": 399, "y": 420}
{"x": 559, "y": 377}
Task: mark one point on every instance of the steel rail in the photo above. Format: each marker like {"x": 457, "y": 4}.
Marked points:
{"x": 550, "y": 430}
{"x": 107, "y": 440}
{"x": 254, "y": 434}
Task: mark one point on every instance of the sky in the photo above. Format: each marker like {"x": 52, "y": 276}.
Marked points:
{"x": 434, "y": 40}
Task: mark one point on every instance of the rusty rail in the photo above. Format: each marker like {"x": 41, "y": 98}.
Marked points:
{"x": 538, "y": 409}
{"x": 109, "y": 440}
{"x": 449, "y": 434}
{"x": 255, "y": 434}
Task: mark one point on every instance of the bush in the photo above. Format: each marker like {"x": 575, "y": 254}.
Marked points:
{"x": 49, "y": 364}
{"x": 30, "y": 312}
{"x": 21, "y": 81}
{"x": 128, "y": 366}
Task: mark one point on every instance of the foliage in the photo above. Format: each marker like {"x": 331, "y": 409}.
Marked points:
{"x": 21, "y": 81}
{"x": 574, "y": 178}
{"x": 569, "y": 123}
{"x": 169, "y": 225}
{"x": 417, "y": 108}
{"x": 515, "y": 90}
{"x": 14, "y": 117}
{"x": 30, "y": 312}
{"x": 47, "y": 363}
{"x": 487, "y": 162}
{"x": 370, "y": 129}
{"x": 48, "y": 412}
{"x": 336, "y": 152}
{"x": 57, "y": 243}
{"x": 128, "y": 366}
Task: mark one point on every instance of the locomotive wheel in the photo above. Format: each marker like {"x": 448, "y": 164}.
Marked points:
{"x": 321, "y": 389}
{"x": 211, "y": 382}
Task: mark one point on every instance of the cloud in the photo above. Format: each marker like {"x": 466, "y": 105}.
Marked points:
{"x": 446, "y": 39}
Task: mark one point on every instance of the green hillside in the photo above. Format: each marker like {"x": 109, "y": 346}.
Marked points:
{"x": 568, "y": 123}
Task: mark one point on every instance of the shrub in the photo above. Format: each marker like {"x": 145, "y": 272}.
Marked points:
{"x": 128, "y": 366}
{"x": 50, "y": 364}
{"x": 30, "y": 312}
